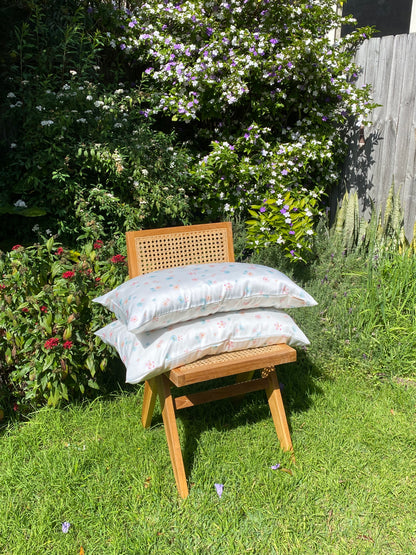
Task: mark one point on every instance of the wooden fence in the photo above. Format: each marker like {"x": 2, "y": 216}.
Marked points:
{"x": 389, "y": 153}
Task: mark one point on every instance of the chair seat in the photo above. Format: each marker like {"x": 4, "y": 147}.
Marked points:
{"x": 228, "y": 364}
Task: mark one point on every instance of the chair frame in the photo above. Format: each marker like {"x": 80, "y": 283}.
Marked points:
{"x": 150, "y": 250}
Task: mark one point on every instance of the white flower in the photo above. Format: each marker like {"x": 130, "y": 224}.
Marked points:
{"x": 98, "y": 103}
{"x": 40, "y": 108}
{"x": 35, "y": 227}
{"x": 48, "y": 232}
{"x": 309, "y": 232}
{"x": 13, "y": 145}
{"x": 72, "y": 72}
{"x": 11, "y": 95}
{"x": 89, "y": 97}
{"x": 20, "y": 204}
{"x": 47, "y": 122}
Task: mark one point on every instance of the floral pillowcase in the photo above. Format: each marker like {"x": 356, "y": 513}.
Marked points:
{"x": 166, "y": 297}
{"x": 148, "y": 354}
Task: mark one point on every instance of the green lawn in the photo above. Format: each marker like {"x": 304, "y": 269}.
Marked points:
{"x": 351, "y": 406}
{"x": 351, "y": 490}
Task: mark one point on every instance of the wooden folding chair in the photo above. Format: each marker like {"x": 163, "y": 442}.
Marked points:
{"x": 157, "y": 249}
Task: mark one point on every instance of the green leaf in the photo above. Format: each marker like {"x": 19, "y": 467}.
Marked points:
{"x": 93, "y": 384}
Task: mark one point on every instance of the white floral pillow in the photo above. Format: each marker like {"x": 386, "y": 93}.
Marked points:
{"x": 165, "y": 297}
{"x": 148, "y": 354}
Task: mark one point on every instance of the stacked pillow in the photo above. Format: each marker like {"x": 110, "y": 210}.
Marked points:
{"x": 175, "y": 316}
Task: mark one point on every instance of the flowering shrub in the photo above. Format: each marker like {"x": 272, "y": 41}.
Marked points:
{"x": 77, "y": 150}
{"x": 48, "y": 352}
{"x": 265, "y": 93}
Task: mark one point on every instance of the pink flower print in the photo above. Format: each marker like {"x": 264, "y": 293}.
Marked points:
{"x": 228, "y": 285}
{"x": 221, "y": 324}
{"x": 278, "y": 326}
{"x": 166, "y": 302}
{"x": 150, "y": 364}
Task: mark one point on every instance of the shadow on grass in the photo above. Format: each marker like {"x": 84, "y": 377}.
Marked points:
{"x": 298, "y": 383}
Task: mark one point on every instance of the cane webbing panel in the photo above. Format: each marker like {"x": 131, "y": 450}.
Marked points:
{"x": 234, "y": 362}
{"x": 180, "y": 246}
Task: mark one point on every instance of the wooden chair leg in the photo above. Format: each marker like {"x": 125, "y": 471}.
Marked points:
{"x": 277, "y": 409}
{"x": 172, "y": 436}
{"x": 149, "y": 400}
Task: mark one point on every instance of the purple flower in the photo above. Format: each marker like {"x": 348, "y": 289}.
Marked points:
{"x": 274, "y": 41}
{"x": 219, "y": 489}
{"x": 132, "y": 23}
{"x": 289, "y": 65}
{"x": 292, "y": 252}
{"x": 65, "y": 527}
{"x": 291, "y": 232}
{"x": 283, "y": 211}
{"x": 263, "y": 209}
{"x": 284, "y": 172}
{"x": 122, "y": 46}
{"x": 275, "y": 466}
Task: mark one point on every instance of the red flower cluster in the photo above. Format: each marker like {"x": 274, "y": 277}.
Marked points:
{"x": 68, "y": 275}
{"x": 44, "y": 308}
{"x": 51, "y": 343}
{"x": 25, "y": 309}
{"x": 17, "y": 247}
{"x": 117, "y": 258}
{"x": 67, "y": 345}
{"x": 60, "y": 250}
{"x": 98, "y": 244}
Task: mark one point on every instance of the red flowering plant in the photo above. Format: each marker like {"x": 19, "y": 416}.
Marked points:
{"x": 48, "y": 351}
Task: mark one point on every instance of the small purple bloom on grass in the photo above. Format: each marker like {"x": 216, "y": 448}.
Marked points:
{"x": 219, "y": 488}
{"x": 263, "y": 209}
{"x": 65, "y": 527}
{"x": 275, "y": 466}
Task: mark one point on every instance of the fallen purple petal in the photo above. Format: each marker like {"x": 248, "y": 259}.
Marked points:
{"x": 275, "y": 466}
{"x": 65, "y": 527}
{"x": 219, "y": 488}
